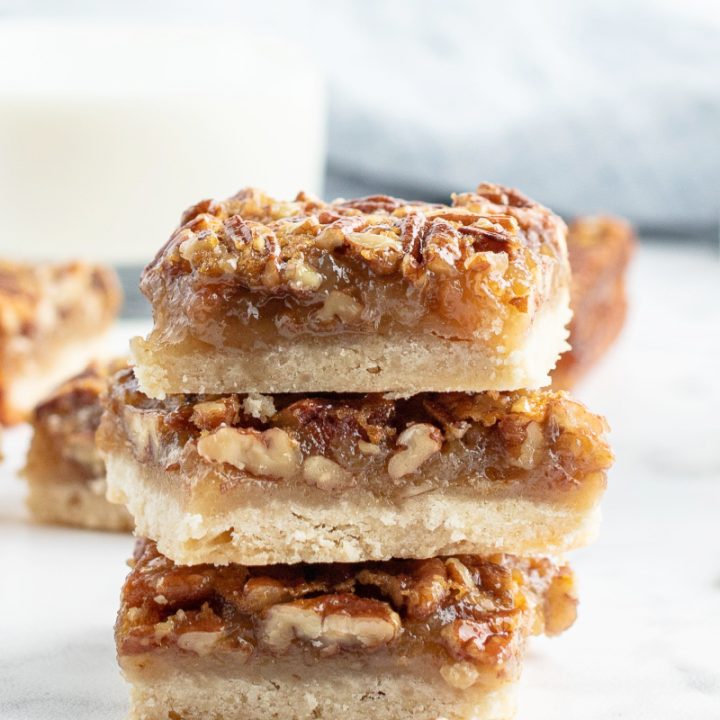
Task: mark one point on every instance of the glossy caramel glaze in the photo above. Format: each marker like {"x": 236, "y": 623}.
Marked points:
{"x": 70, "y": 416}
{"x": 241, "y": 271}
{"x": 600, "y": 250}
{"x": 529, "y": 443}
{"x": 465, "y": 608}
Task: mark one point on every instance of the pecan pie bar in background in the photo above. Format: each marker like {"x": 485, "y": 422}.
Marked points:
{"x": 600, "y": 249}
{"x": 53, "y": 319}
{"x": 423, "y": 639}
{"x": 260, "y": 479}
{"x": 253, "y": 294}
{"x": 64, "y": 470}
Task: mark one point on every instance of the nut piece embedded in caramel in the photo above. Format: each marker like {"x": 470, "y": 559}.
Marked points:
{"x": 339, "y": 305}
{"x": 331, "y": 623}
{"x": 212, "y": 414}
{"x": 200, "y": 643}
{"x": 325, "y": 473}
{"x": 420, "y": 441}
{"x": 270, "y": 453}
{"x": 301, "y": 277}
{"x": 531, "y": 447}
{"x": 283, "y": 623}
{"x": 264, "y": 592}
{"x": 460, "y": 675}
{"x": 259, "y": 406}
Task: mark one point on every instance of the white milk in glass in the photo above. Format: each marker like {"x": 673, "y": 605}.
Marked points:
{"x": 108, "y": 133}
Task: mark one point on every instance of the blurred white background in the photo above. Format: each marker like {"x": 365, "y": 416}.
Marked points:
{"x": 593, "y": 106}
{"x": 108, "y": 131}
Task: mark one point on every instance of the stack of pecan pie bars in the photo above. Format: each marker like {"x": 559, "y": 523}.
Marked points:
{"x": 354, "y": 494}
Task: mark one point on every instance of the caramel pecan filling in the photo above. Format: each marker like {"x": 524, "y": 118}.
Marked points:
{"x": 472, "y": 614}
{"x": 50, "y": 301}
{"x": 538, "y": 441}
{"x": 368, "y": 265}
{"x": 600, "y": 249}
{"x": 70, "y": 417}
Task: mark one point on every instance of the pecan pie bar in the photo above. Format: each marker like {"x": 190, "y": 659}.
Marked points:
{"x": 64, "y": 470}
{"x": 260, "y": 479}
{"x": 253, "y": 294}
{"x": 600, "y": 249}
{"x": 421, "y": 639}
{"x": 52, "y": 323}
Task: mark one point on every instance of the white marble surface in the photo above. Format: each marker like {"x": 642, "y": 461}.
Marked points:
{"x": 647, "y": 643}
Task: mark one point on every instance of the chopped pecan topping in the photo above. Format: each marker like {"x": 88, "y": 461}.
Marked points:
{"x": 256, "y": 263}
{"x": 301, "y": 277}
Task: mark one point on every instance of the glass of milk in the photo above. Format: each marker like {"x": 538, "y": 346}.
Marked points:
{"x": 108, "y": 132}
